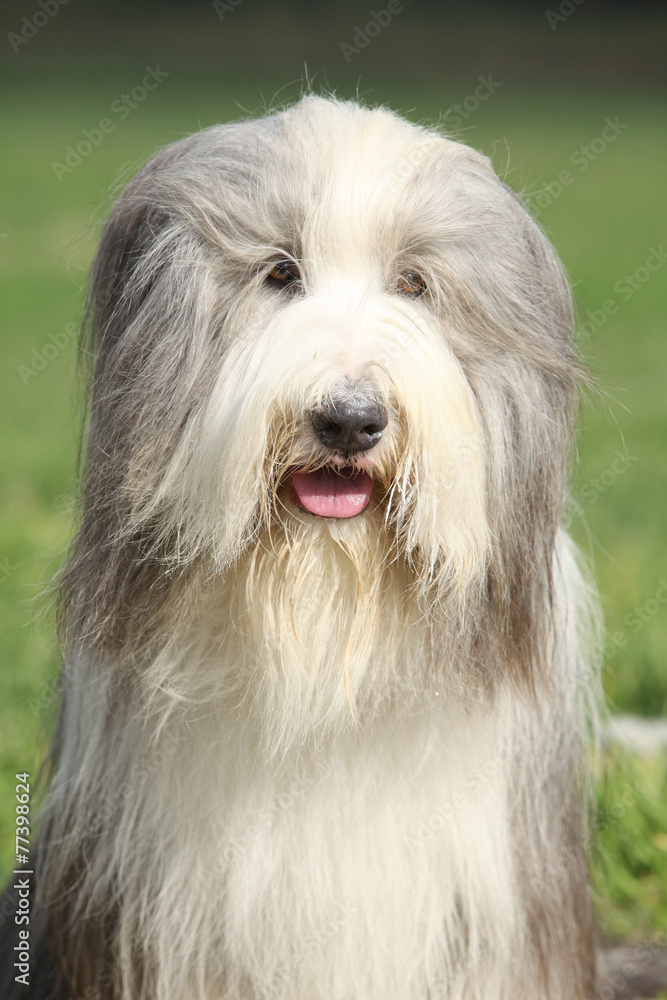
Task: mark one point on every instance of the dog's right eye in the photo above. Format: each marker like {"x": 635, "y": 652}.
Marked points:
{"x": 284, "y": 274}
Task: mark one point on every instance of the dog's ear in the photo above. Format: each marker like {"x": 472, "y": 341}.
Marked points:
{"x": 123, "y": 275}
{"x": 549, "y": 275}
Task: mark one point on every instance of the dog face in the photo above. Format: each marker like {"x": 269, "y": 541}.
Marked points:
{"x": 330, "y": 327}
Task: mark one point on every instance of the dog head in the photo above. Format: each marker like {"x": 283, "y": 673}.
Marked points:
{"x": 328, "y": 326}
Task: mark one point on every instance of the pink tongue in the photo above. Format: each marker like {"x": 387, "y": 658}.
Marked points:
{"x": 330, "y": 495}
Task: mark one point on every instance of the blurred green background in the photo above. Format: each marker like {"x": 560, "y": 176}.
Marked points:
{"x": 576, "y": 121}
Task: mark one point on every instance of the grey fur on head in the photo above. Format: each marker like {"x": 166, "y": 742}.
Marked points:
{"x": 303, "y": 754}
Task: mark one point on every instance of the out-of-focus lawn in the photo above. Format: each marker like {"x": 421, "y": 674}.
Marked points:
{"x": 607, "y": 223}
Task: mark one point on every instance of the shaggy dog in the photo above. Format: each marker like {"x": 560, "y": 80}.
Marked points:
{"x": 324, "y": 718}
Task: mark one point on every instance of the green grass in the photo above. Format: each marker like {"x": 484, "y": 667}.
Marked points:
{"x": 629, "y": 855}
{"x": 604, "y": 225}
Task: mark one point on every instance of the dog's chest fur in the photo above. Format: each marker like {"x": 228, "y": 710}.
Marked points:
{"x": 371, "y": 856}
{"x": 371, "y": 868}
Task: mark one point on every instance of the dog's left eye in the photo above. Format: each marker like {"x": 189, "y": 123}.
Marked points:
{"x": 411, "y": 283}
{"x": 284, "y": 274}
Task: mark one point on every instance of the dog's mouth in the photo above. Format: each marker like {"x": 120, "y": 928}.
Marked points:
{"x": 330, "y": 492}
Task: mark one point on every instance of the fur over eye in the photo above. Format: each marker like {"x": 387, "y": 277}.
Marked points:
{"x": 411, "y": 283}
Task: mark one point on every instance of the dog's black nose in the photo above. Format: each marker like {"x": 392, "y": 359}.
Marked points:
{"x": 353, "y": 423}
